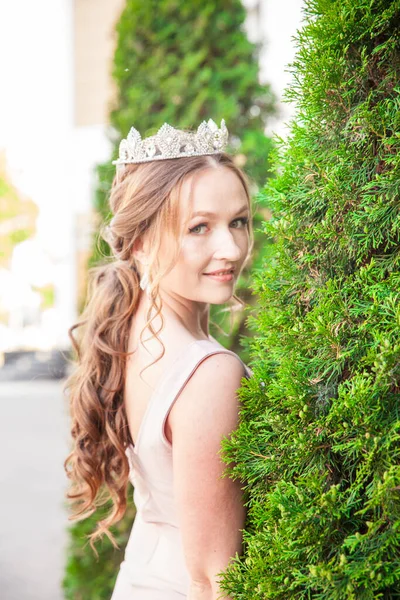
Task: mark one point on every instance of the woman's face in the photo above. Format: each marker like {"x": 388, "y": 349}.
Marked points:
{"x": 211, "y": 242}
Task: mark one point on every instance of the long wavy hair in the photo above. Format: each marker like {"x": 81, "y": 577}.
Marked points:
{"x": 144, "y": 201}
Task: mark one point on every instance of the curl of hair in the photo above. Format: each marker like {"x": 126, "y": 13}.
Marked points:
{"x": 144, "y": 200}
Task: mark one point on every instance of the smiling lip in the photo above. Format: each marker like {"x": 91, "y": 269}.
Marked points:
{"x": 225, "y": 277}
{"x": 221, "y": 272}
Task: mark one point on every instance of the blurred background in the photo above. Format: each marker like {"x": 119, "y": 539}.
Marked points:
{"x": 57, "y": 88}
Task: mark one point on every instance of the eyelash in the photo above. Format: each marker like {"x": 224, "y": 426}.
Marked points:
{"x": 244, "y": 220}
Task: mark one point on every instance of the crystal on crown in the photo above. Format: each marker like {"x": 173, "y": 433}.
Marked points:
{"x": 169, "y": 142}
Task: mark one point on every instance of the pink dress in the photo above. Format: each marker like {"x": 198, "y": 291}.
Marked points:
{"x": 154, "y": 565}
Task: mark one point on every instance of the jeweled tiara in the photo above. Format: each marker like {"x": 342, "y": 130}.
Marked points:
{"x": 169, "y": 142}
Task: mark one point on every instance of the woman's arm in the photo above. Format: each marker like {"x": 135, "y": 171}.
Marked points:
{"x": 210, "y": 509}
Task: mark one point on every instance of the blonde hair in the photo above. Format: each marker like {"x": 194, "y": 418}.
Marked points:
{"x": 144, "y": 200}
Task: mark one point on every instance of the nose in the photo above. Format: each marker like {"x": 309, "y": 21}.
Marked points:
{"x": 227, "y": 246}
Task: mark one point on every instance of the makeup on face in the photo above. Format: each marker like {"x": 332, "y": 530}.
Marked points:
{"x": 215, "y": 239}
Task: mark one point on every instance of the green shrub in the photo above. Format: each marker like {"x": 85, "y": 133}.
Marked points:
{"x": 318, "y": 446}
{"x": 85, "y": 577}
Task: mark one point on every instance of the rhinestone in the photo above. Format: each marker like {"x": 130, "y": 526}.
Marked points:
{"x": 150, "y": 147}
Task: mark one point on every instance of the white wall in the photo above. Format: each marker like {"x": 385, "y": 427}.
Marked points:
{"x": 274, "y": 23}
{"x": 36, "y": 127}
{"x": 48, "y": 158}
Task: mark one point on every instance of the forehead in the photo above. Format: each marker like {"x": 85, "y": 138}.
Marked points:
{"x": 216, "y": 190}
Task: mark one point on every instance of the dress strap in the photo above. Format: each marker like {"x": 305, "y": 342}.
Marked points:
{"x": 181, "y": 374}
{"x": 170, "y": 386}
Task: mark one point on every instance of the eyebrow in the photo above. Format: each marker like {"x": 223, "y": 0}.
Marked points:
{"x": 206, "y": 213}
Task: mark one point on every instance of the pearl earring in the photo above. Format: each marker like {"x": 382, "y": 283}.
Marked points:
{"x": 144, "y": 282}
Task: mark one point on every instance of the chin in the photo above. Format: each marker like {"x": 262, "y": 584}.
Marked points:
{"x": 221, "y": 299}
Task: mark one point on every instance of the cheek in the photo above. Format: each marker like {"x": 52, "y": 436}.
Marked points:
{"x": 192, "y": 253}
{"x": 192, "y": 261}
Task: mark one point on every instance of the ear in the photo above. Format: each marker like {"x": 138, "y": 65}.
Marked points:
{"x": 139, "y": 251}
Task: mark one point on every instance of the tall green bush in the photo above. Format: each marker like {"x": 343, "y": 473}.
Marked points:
{"x": 318, "y": 446}
{"x": 181, "y": 63}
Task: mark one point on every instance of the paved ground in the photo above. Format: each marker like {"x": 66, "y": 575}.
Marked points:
{"x": 34, "y": 441}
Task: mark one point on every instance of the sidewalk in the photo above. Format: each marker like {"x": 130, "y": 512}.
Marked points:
{"x": 34, "y": 442}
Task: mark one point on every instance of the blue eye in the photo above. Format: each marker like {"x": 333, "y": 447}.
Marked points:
{"x": 244, "y": 221}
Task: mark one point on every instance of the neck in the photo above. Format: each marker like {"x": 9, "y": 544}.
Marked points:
{"x": 194, "y": 316}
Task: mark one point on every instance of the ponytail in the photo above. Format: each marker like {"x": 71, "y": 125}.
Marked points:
{"x": 99, "y": 429}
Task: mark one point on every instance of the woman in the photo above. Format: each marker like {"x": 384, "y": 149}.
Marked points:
{"x": 154, "y": 408}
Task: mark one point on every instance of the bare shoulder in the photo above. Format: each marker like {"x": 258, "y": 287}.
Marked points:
{"x": 221, "y": 369}
{"x": 209, "y": 394}
{"x": 218, "y": 373}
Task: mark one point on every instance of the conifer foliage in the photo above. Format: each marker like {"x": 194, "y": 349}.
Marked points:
{"x": 318, "y": 447}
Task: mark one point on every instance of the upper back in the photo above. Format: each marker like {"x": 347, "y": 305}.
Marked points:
{"x": 145, "y": 370}
{"x": 151, "y": 455}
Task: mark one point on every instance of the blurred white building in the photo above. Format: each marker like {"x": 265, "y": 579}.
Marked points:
{"x": 272, "y": 24}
